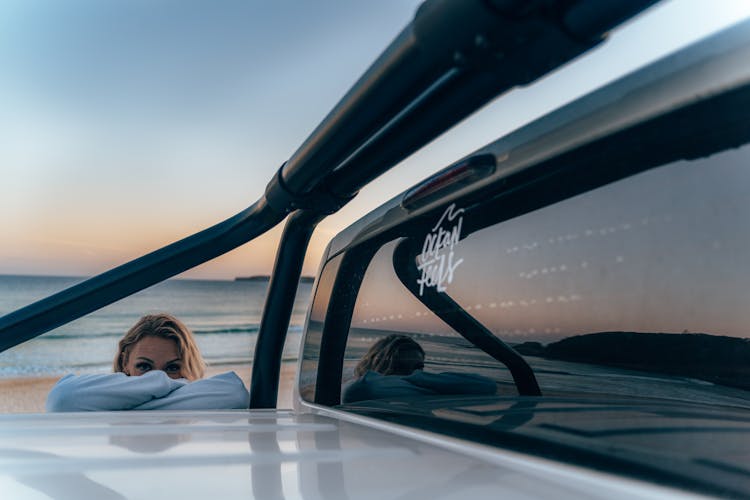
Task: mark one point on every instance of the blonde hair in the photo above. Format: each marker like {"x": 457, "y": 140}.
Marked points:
{"x": 168, "y": 327}
{"x": 386, "y": 356}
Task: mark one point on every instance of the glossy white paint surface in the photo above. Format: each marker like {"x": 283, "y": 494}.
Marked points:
{"x": 258, "y": 454}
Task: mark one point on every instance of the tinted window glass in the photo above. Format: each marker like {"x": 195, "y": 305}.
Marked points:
{"x": 311, "y": 345}
{"x": 638, "y": 288}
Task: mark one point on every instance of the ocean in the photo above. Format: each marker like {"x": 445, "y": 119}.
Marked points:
{"x": 223, "y": 315}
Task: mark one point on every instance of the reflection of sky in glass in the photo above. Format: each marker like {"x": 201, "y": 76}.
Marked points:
{"x": 663, "y": 251}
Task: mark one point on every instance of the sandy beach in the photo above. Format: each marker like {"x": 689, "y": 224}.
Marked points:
{"x": 27, "y": 394}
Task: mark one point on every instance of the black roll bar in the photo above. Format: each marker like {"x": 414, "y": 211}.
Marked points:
{"x": 452, "y": 59}
{"x": 455, "y": 316}
{"x": 278, "y": 307}
{"x": 106, "y": 288}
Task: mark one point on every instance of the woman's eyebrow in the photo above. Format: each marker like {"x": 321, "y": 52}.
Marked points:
{"x": 174, "y": 360}
{"x": 144, "y": 358}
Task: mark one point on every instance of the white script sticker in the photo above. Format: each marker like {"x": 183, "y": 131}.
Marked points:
{"x": 437, "y": 261}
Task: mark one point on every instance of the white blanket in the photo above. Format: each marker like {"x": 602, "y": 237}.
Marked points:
{"x": 151, "y": 391}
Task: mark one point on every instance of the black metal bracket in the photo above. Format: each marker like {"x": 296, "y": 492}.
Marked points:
{"x": 282, "y": 200}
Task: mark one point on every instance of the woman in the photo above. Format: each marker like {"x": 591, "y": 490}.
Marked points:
{"x": 164, "y": 338}
{"x": 157, "y": 367}
{"x": 392, "y": 368}
{"x": 392, "y": 355}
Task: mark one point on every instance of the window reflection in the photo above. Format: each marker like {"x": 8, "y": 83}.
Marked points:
{"x": 645, "y": 275}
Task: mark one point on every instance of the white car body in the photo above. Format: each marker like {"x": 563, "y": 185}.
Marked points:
{"x": 319, "y": 451}
{"x": 272, "y": 454}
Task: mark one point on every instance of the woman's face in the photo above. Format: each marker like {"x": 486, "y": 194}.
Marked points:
{"x": 154, "y": 353}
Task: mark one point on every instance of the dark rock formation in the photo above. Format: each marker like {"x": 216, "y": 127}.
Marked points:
{"x": 714, "y": 358}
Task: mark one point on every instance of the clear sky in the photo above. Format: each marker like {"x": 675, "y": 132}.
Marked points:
{"x": 127, "y": 125}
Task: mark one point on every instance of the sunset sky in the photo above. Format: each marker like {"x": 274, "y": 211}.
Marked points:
{"x": 128, "y": 125}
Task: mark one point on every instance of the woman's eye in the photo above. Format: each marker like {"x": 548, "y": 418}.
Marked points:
{"x": 143, "y": 367}
{"x": 172, "y": 368}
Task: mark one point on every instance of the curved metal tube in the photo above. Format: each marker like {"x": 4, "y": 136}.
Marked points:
{"x": 464, "y": 323}
{"x": 106, "y": 288}
{"x": 278, "y": 306}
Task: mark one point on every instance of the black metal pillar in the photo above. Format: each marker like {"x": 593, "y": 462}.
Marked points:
{"x": 277, "y": 310}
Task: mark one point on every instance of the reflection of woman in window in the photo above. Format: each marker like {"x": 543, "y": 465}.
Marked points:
{"x": 392, "y": 367}
{"x": 157, "y": 366}
{"x": 392, "y": 355}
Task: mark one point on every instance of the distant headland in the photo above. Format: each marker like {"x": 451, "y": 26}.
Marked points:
{"x": 713, "y": 358}
{"x": 264, "y": 278}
